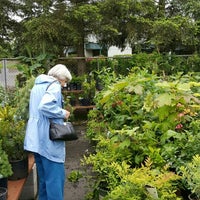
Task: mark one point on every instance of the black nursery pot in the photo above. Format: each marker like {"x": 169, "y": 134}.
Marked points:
{"x": 19, "y": 168}
{"x": 3, "y": 193}
{"x": 85, "y": 102}
{"x": 193, "y": 197}
{"x": 72, "y": 102}
{"x": 4, "y": 182}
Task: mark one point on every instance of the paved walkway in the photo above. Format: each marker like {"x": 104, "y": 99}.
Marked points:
{"x": 75, "y": 151}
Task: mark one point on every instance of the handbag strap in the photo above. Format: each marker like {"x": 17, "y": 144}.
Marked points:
{"x": 62, "y": 103}
{"x": 50, "y": 84}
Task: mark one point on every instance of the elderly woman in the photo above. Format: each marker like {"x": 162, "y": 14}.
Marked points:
{"x": 46, "y": 103}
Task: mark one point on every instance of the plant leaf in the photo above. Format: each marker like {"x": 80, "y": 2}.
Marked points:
{"x": 164, "y": 99}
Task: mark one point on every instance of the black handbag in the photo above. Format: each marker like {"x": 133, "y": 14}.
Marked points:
{"x": 64, "y": 131}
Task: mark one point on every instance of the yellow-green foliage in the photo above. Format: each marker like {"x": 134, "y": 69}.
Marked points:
{"x": 134, "y": 180}
{"x": 12, "y": 132}
{"x": 5, "y": 167}
{"x": 22, "y": 99}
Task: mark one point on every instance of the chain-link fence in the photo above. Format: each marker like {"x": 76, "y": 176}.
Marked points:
{"x": 120, "y": 64}
{"x": 9, "y": 69}
{"x": 8, "y": 72}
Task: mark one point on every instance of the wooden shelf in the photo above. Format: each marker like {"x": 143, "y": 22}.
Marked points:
{"x": 77, "y": 106}
{"x": 73, "y": 91}
{"x": 83, "y": 107}
{"x": 15, "y": 187}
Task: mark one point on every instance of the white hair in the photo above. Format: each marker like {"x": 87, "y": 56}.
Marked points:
{"x": 61, "y": 72}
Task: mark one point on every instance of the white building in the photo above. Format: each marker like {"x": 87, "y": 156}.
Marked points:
{"x": 113, "y": 51}
{"x": 92, "y": 48}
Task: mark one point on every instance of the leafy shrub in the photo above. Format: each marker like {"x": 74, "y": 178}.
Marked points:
{"x": 5, "y": 167}
{"x": 191, "y": 177}
{"x": 145, "y": 116}
{"x": 135, "y": 180}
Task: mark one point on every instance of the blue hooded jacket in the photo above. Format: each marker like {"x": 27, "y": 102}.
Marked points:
{"x": 44, "y": 105}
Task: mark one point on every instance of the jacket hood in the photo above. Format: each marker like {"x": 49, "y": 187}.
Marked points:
{"x": 43, "y": 78}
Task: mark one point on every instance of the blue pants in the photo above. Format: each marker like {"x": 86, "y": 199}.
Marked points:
{"x": 51, "y": 178}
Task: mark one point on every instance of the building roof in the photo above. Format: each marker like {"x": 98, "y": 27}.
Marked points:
{"x": 92, "y": 46}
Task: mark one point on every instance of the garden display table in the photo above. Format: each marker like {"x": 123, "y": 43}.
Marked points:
{"x": 77, "y": 105}
{"x": 15, "y": 187}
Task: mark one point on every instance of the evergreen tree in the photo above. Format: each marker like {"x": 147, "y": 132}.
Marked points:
{"x": 9, "y": 27}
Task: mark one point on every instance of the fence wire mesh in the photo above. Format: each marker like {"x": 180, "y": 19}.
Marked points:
{"x": 9, "y": 69}
{"x": 8, "y": 72}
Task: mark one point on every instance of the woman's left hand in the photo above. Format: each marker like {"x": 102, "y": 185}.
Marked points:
{"x": 67, "y": 114}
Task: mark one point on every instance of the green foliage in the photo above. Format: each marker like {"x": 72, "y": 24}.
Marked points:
{"x": 9, "y": 27}
{"x": 135, "y": 180}
{"x": 5, "y": 167}
{"x": 156, "y": 63}
{"x": 153, "y": 105}
{"x": 89, "y": 87}
{"x": 46, "y": 25}
{"x": 12, "y": 132}
{"x": 101, "y": 164}
{"x": 168, "y": 31}
{"x": 7, "y": 96}
{"x": 74, "y": 176}
{"x": 81, "y": 20}
{"x": 3, "y": 96}
{"x": 5, "y": 52}
{"x": 106, "y": 70}
{"x": 34, "y": 66}
{"x": 98, "y": 65}
{"x": 191, "y": 176}
{"x": 22, "y": 96}
{"x": 78, "y": 79}
{"x": 144, "y": 116}
{"x": 95, "y": 125}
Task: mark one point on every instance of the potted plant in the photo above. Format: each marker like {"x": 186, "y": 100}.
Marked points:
{"x": 76, "y": 83}
{"x": 89, "y": 90}
{"x": 12, "y": 132}
{"x": 3, "y": 193}
{"x": 5, "y": 167}
{"x": 71, "y": 97}
{"x": 191, "y": 177}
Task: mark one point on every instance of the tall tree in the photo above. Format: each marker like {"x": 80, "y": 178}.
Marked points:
{"x": 192, "y": 10}
{"x": 115, "y": 17}
{"x": 174, "y": 28}
{"x": 9, "y": 27}
{"x": 44, "y": 26}
{"x": 161, "y": 23}
{"x": 51, "y": 26}
{"x": 83, "y": 18}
